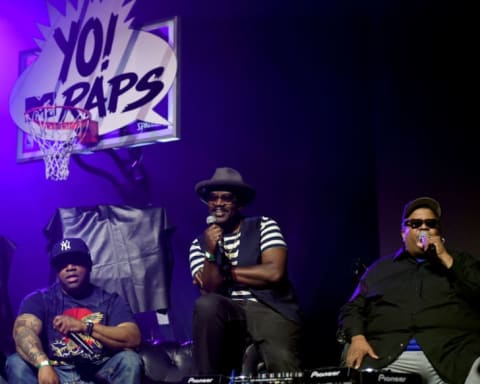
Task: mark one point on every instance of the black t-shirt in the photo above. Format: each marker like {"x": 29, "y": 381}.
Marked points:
{"x": 99, "y": 307}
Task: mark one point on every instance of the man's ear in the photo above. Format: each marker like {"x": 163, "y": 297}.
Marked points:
{"x": 402, "y": 234}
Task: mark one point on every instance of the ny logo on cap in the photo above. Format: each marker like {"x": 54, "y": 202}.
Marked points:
{"x": 65, "y": 245}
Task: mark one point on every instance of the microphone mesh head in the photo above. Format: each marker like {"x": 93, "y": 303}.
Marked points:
{"x": 211, "y": 220}
{"x": 422, "y": 234}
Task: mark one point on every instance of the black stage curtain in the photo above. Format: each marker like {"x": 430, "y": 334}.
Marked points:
{"x": 130, "y": 249}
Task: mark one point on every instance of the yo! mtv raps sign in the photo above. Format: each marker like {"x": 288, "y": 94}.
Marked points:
{"x": 92, "y": 58}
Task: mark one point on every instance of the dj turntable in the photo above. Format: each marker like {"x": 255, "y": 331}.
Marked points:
{"x": 327, "y": 375}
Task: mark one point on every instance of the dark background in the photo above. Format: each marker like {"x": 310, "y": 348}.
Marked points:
{"x": 338, "y": 112}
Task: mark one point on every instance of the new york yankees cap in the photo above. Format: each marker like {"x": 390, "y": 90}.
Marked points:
{"x": 70, "y": 250}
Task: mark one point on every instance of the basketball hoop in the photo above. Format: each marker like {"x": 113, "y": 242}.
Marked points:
{"x": 56, "y": 129}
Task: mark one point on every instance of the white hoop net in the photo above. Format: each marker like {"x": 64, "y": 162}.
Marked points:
{"x": 56, "y": 130}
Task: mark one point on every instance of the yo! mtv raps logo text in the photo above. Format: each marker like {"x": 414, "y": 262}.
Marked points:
{"x": 91, "y": 58}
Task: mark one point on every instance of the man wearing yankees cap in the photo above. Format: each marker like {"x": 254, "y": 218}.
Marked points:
{"x": 74, "y": 331}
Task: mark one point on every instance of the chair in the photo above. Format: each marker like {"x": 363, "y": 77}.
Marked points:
{"x": 167, "y": 361}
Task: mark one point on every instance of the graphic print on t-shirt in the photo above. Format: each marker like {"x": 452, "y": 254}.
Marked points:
{"x": 77, "y": 345}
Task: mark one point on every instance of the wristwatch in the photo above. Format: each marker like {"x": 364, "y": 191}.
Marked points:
{"x": 89, "y": 329}
{"x": 210, "y": 256}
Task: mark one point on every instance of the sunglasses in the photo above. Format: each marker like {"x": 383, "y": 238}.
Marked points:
{"x": 226, "y": 198}
{"x": 417, "y": 223}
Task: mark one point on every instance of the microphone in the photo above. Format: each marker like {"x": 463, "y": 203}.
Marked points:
{"x": 211, "y": 220}
{"x": 221, "y": 260}
{"x": 423, "y": 238}
{"x": 79, "y": 341}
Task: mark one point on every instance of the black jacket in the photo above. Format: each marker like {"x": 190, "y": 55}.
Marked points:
{"x": 398, "y": 298}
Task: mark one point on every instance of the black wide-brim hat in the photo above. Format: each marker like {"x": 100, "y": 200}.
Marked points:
{"x": 226, "y": 179}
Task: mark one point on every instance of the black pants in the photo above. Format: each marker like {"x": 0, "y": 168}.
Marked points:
{"x": 222, "y": 328}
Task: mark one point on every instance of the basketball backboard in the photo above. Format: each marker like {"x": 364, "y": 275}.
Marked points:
{"x": 137, "y": 133}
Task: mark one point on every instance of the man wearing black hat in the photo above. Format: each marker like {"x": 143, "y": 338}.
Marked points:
{"x": 74, "y": 331}
{"x": 418, "y": 310}
{"x": 240, "y": 264}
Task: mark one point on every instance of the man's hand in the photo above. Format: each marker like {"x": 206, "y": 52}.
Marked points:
{"x": 439, "y": 253}
{"x": 212, "y": 235}
{"x": 47, "y": 375}
{"x": 358, "y": 349}
{"x": 211, "y": 278}
{"x": 65, "y": 324}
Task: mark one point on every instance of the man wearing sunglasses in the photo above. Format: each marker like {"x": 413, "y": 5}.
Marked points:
{"x": 240, "y": 265}
{"x": 417, "y": 311}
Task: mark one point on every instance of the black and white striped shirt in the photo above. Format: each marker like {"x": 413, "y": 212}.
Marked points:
{"x": 270, "y": 237}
